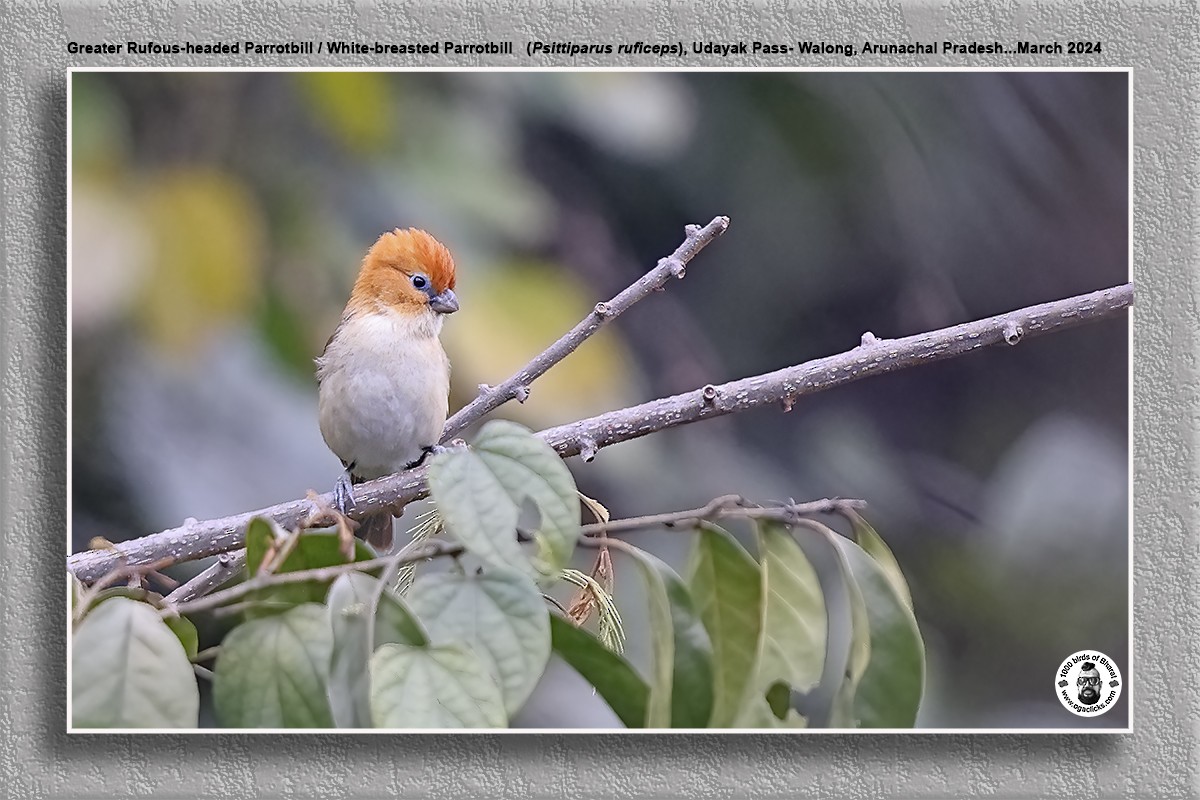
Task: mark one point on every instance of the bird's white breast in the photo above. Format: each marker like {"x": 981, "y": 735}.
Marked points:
{"x": 384, "y": 386}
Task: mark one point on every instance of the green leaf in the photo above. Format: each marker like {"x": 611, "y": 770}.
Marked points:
{"x": 843, "y": 669}
{"x": 433, "y": 687}
{"x": 260, "y": 537}
{"x": 726, "y": 585}
{"x": 611, "y": 675}
{"x": 874, "y": 546}
{"x": 130, "y": 592}
{"x": 128, "y": 670}
{"x": 844, "y": 715}
{"x": 779, "y": 699}
{"x": 271, "y": 671}
{"x": 355, "y": 602}
{"x": 761, "y": 712}
{"x": 185, "y": 631}
{"x": 681, "y": 691}
{"x": 791, "y": 642}
{"x": 311, "y": 550}
{"x": 499, "y": 615}
{"x": 348, "y": 687}
{"x": 890, "y": 691}
{"x": 479, "y": 493}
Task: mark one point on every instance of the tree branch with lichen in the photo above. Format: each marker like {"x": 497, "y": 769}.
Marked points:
{"x": 873, "y": 356}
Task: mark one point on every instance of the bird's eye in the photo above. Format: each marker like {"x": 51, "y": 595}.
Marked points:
{"x": 420, "y": 281}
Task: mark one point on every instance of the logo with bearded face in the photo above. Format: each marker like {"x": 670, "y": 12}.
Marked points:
{"x": 1088, "y": 683}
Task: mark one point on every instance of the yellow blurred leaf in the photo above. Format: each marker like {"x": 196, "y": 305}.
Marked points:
{"x": 513, "y": 312}
{"x": 355, "y": 108}
{"x": 207, "y": 234}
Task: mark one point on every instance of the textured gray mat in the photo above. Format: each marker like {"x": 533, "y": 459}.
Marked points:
{"x": 1159, "y": 759}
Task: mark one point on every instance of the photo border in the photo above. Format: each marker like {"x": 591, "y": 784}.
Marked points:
{"x": 1159, "y": 759}
{"x": 1129, "y": 675}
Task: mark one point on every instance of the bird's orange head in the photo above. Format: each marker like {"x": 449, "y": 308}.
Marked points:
{"x": 408, "y": 270}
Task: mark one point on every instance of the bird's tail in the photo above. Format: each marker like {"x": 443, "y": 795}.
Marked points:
{"x": 376, "y": 529}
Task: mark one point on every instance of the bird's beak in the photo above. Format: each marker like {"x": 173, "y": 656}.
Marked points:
{"x": 444, "y": 303}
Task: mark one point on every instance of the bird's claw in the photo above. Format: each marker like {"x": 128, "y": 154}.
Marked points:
{"x": 343, "y": 494}
{"x": 427, "y": 451}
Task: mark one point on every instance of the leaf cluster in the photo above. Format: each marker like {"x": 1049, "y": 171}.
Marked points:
{"x": 815, "y": 630}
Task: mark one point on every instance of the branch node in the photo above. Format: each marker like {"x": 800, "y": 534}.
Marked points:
{"x": 787, "y": 402}
{"x": 521, "y": 393}
{"x": 691, "y": 230}
{"x": 484, "y": 388}
{"x": 709, "y": 393}
{"x": 675, "y": 265}
{"x": 587, "y": 449}
{"x": 602, "y": 310}
{"x": 1013, "y": 332}
{"x": 869, "y": 339}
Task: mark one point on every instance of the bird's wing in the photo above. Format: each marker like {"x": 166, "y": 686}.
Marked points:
{"x": 345, "y": 318}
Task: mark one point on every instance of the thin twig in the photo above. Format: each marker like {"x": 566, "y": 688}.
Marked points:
{"x": 783, "y": 387}
{"x": 728, "y": 506}
{"x": 517, "y": 387}
{"x": 243, "y": 606}
{"x": 387, "y": 578}
{"x": 225, "y": 567}
{"x": 117, "y": 573}
{"x": 207, "y": 653}
{"x": 554, "y": 603}
{"x": 431, "y": 549}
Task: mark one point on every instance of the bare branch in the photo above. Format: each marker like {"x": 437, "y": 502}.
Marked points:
{"x": 877, "y": 357}
{"x": 783, "y": 387}
{"x": 593, "y": 535}
{"x": 517, "y": 387}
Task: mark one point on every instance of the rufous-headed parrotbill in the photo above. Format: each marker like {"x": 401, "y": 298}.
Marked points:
{"x": 384, "y": 378}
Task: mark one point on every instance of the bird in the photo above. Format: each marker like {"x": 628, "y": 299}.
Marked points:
{"x": 384, "y": 378}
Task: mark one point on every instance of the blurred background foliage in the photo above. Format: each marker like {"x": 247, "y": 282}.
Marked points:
{"x": 218, "y": 219}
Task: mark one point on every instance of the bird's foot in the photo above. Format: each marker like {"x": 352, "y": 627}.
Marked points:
{"x": 343, "y": 494}
{"x": 426, "y": 452}
{"x": 324, "y": 514}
